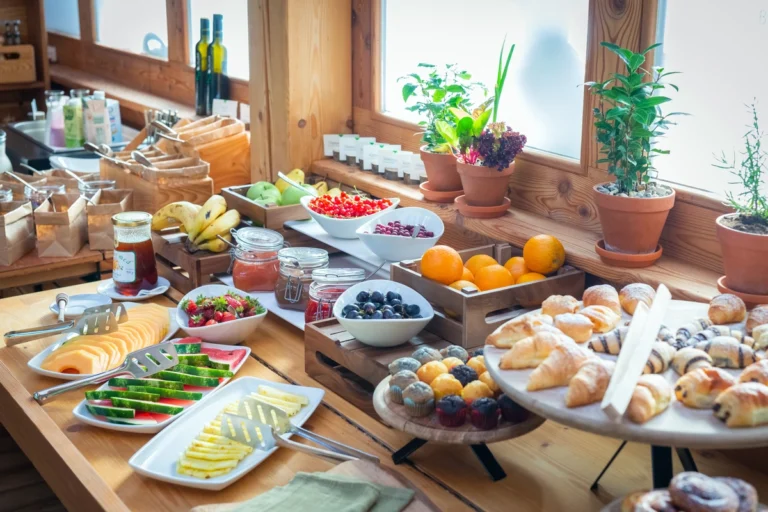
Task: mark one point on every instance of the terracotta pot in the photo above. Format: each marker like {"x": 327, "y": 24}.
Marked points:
{"x": 441, "y": 171}
{"x": 632, "y": 225}
{"x": 484, "y": 186}
{"x": 745, "y": 258}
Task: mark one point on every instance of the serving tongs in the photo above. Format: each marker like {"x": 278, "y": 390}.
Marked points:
{"x": 139, "y": 363}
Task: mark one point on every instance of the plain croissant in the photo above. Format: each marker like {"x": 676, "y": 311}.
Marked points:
{"x": 650, "y": 398}
{"x": 559, "y": 366}
{"x": 590, "y": 382}
{"x": 531, "y": 351}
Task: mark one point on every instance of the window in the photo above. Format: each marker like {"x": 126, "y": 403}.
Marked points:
{"x": 235, "y": 13}
{"x": 542, "y": 97}
{"x": 137, "y": 26}
{"x": 63, "y": 16}
{"x": 718, "y": 55}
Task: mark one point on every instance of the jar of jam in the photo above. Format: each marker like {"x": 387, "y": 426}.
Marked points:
{"x": 133, "y": 267}
{"x": 327, "y": 286}
{"x": 295, "y": 275}
{"x": 254, "y": 262}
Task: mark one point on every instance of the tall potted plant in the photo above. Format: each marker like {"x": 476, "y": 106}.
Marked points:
{"x": 633, "y": 208}
{"x": 743, "y": 235}
{"x": 435, "y": 93}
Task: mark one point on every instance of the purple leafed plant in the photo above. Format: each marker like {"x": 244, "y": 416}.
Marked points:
{"x": 498, "y": 146}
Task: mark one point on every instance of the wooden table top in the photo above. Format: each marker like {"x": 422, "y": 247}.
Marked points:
{"x": 31, "y": 262}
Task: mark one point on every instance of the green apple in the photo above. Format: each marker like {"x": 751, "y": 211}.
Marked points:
{"x": 263, "y": 193}
{"x": 292, "y": 195}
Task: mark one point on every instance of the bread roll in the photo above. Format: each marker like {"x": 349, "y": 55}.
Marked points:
{"x": 660, "y": 358}
{"x": 602, "y": 295}
{"x": 603, "y": 318}
{"x": 509, "y": 333}
{"x": 743, "y": 405}
{"x": 559, "y": 304}
{"x": 559, "y": 366}
{"x": 689, "y": 359}
{"x": 756, "y": 372}
{"x": 699, "y": 388}
{"x": 700, "y": 493}
{"x": 632, "y": 294}
{"x": 578, "y": 327}
{"x": 756, "y": 317}
{"x": 726, "y": 309}
{"x": 650, "y": 398}
{"x": 727, "y": 352}
{"x": 590, "y": 382}
{"x": 649, "y": 501}
{"x": 531, "y": 351}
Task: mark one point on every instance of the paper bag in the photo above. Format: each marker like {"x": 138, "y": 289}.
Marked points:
{"x": 62, "y": 226}
{"x": 101, "y": 235}
{"x": 17, "y": 231}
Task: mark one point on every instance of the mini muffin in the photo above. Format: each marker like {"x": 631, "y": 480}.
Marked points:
{"x": 488, "y": 380}
{"x": 399, "y": 382}
{"x": 455, "y": 351}
{"x": 419, "y": 399}
{"x": 464, "y": 373}
{"x": 477, "y": 363}
{"x": 445, "y": 384}
{"x": 511, "y": 411}
{"x": 475, "y": 390}
{"x": 484, "y": 413}
{"x": 478, "y": 352}
{"x": 426, "y": 354}
{"x": 451, "y": 411}
{"x": 429, "y": 371}
{"x": 403, "y": 363}
{"x": 452, "y": 362}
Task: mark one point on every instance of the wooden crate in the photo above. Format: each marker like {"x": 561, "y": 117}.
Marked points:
{"x": 17, "y": 64}
{"x": 273, "y": 217}
{"x": 466, "y": 318}
{"x": 184, "y": 270}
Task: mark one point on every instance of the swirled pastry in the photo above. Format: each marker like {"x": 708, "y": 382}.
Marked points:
{"x": 610, "y": 342}
{"x": 700, "y": 493}
{"x": 689, "y": 359}
{"x": 727, "y": 352}
{"x": 685, "y": 333}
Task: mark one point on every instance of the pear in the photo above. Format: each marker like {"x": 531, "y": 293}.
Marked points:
{"x": 296, "y": 175}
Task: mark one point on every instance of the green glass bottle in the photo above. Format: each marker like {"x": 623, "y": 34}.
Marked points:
{"x": 201, "y": 68}
{"x": 217, "y": 64}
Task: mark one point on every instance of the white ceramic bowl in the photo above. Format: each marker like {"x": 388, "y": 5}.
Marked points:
{"x": 343, "y": 228}
{"x": 398, "y": 248}
{"x": 227, "y": 333}
{"x": 385, "y": 332}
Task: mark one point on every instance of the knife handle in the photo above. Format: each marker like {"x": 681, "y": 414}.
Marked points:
{"x": 43, "y": 396}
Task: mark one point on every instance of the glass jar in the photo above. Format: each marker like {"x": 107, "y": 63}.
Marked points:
{"x": 41, "y": 193}
{"x": 254, "y": 262}
{"x": 133, "y": 262}
{"x": 5, "y": 162}
{"x": 295, "y": 276}
{"x": 6, "y": 194}
{"x": 327, "y": 286}
{"x": 89, "y": 188}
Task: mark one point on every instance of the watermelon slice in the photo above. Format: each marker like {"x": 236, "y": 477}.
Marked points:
{"x": 141, "y": 419}
{"x": 176, "y": 401}
{"x": 188, "y": 345}
{"x": 224, "y": 359}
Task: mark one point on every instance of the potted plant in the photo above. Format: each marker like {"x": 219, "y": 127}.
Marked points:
{"x": 742, "y": 234}
{"x": 633, "y": 208}
{"x": 435, "y": 94}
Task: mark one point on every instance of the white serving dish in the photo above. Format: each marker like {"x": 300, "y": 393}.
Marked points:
{"x": 384, "y": 332}
{"x": 157, "y": 459}
{"x": 344, "y": 228}
{"x": 107, "y": 287}
{"x": 75, "y": 164}
{"x": 227, "y": 333}
{"x": 35, "y": 362}
{"x": 399, "y": 248}
{"x": 78, "y": 303}
{"x": 82, "y": 414}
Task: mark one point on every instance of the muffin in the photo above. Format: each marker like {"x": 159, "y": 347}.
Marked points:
{"x": 488, "y": 380}
{"x": 478, "y": 352}
{"x": 455, "y": 351}
{"x": 476, "y": 390}
{"x": 403, "y": 363}
{"x": 419, "y": 399}
{"x": 445, "y": 384}
{"x": 464, "y": 373}
{"x": 511, "y": 411}
{"x": 484, "y": 413}
{"x": 426, "y": 354}
{"x": 451, "y": 411}
{"x": 429, "y": 371}
{"x": 399, "y": 382}
{"x": 451, "y": 362}
{"x": 477, "y": 363}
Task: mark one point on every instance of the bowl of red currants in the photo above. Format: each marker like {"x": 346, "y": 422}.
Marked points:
{"x": 391, "y": 235}
{"x": 340, "y": 216}
{"x": 382, "y": 313}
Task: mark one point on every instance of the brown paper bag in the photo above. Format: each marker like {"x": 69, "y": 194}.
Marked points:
{"x": 101, "y": 235}
{"x": 17, "y": 231}
{"x": 61, "y": 231}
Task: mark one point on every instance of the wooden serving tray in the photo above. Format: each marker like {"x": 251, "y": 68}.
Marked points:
{"x": 269, "y": 217}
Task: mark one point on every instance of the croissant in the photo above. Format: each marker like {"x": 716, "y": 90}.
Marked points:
{"x": 660, "y": 358}
{"x": 666, "y": 335}
{"x": 559, "y": 304}
{"x": 602, "y": 295}
{"x": 760, "y": 335}
{"x": 726, "y": 309}
{"x": 688, "y": 359}
{"x": 634, "y": 293}
{"x": 509, "y": 333}
{"x": 757, "y": 317}
{"x": 686, "y": 332}
{"x": 609, "y": 343}
{"x": 590, "y": 382}
{"x": 603, "y": 318}
{"x": 756, "y": 372}
{"x": 559, "y": 366}
{"x": 531, "y": 351}
{"x": 699, "y": 388}
{"x": 743, "y": 405}
{"x": 741, "y": 337}
{"x": 727, "y": 352}
{"x": 578, "y": 327}
{"x": 650, "y": 397}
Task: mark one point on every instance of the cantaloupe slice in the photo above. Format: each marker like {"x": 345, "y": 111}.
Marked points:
{"x": 76, "y": 361}
{"x": 122, "y": 344}
{"x": 128, "y": 342}
{"x": 115, "y": 355}
{"x": 79, "y": 343}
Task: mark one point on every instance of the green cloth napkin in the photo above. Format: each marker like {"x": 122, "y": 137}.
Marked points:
{"x": 321, "y": 492}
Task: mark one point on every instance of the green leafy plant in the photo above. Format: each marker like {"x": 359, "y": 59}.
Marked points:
{"x": 435, "y": 94}
{"x": 501, "y": 77}
{"x": 750, "y": 202}
{"x": 629, "y": 118}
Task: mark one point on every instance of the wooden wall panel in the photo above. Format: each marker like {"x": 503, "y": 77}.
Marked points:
{"x": 362, "y": 20}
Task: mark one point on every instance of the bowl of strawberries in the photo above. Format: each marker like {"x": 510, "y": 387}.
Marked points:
{"x": 219, "y": 313}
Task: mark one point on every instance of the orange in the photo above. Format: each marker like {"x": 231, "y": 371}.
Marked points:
{"x": 468, "y": 275}
{"x": 458, "y": 285}
{"x": 516, "y": 266}
{"x": 530, "y": 276}
{"x": 442, "y": 264}
{"x": 478, "y": 261}
{"x": 544, "y": 254}
{"x": 492, "y": 277}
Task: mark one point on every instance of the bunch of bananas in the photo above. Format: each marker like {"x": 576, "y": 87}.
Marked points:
{"x": 201, "y": 223}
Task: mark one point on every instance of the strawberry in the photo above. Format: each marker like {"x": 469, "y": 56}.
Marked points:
{"x": 233, "y": 302}
{"x": 189, "y": 307}
{"x": 249, "y": 312}
{"x": 226, "y": 317}
{"x": 196, "y": 321}
{"x": 220, "y": 304}
{"x": 217, "y": 316}
{"x": 211, "y": 322}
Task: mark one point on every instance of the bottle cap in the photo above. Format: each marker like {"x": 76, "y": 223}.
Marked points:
{"x": 99, "y": 95}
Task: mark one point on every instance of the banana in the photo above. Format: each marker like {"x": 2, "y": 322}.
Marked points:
{"x": 220, "y": 226}
{"x": 321, "y": 187}
{"x": 213, "y": 208}
{"x": 216, "y": 244}
{"x": 173, "y": 214}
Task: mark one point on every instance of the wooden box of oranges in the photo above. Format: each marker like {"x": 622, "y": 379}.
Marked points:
{"x": 476, "y": 290}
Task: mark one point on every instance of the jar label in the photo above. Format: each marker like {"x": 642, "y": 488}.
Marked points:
{"x": 124, "y": 266}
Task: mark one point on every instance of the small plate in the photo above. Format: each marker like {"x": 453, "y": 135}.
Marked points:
{"x": 78, "y": 303}
{"x": 481, "y": 212}
{"x": 107, "y": 287}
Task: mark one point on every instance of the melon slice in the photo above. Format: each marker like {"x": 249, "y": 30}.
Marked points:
{"x": 83, "y": 343}
{"x": 224, "y": 359}
{"x": 75, "y": 361}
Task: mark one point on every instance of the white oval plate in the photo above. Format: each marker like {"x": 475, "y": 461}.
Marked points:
{"x": 35, "y": 362}
{"x": 82, "y": 414}
{"x": 78, "y": 303}
{"x": 107, "y": 287}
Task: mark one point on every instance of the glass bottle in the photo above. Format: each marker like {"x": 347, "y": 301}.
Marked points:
{"x": 5, "y": 162}
{"x": 201, "y": 68}
{"x": 217, "y": 64}
{"x": 54, "y": 119}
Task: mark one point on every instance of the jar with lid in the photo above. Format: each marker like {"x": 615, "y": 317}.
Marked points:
{"x": 133, "y": 267}
{"x": 327, "y": 286}
{"x": 5, "y": 162}
{"x": 295, "y": 276}
{"x": 41, "y": 193}
{"x": 254, "y": 261}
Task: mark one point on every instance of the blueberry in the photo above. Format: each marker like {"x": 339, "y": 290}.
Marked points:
{"x": 387, "y": 307}
{"x": 398, "y": 316}
{"x": 377, "y": 297}
{"x": 369, "y": 308}
{"x": 367, "y": 317}
{"x": 412, "y": 310}
{"x": 398, "y": 308}
{"x": 362, "y": 297}
{"x": 393, "y": 295}
{"x": 395, "y": 302}
{"x": 352, "y": 314}
{"x": 348, "y": 308}
{"x": 388, "y": 314}
{"x": 378, "y": 315}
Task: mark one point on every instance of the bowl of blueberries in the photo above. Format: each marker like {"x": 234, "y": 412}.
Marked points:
{"x": 382, "y": 313}
{"x": 390, "y": 235}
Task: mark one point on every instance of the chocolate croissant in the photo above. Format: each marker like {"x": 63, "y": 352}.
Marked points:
{"x": 666, "y": 335}
{"x": 727, "y": 352}
{"x": 611, "y": 342}
{"x": 559, "y": 367}
{"x": 660, "y": 358}
{"x": 590, "y": 382}
{"x": 650, "y": 398}
{"x": 699, "y": 388}
{"x": 530, "y": 352}
{"x": 756, "y": 372}
{"x": 689, "y": 359}
{"x": 685, "y": 333}
{"x": 743, "y": 405}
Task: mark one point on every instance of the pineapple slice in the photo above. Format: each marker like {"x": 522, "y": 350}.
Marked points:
{"x": 271, "y": 392}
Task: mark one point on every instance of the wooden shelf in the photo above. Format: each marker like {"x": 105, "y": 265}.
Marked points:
{"x": 22, "y": 87}
{"x": 685, "y": 281}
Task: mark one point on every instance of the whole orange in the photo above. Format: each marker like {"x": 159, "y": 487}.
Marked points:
{"x": 492, "y": 277}
{"x": 478, "y": 261}
{"x": 468, "y": 275}
{"x": 530, "y": 276}
{"x": 516, "y": 266}
{"x": 458, "y": 285}
{"x": 544, "y": 254}
{"x": 442, "y": 264}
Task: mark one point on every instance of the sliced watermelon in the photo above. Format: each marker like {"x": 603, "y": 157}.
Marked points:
{"x": 176, "y": 401}
{"x": 111, "y": 412}
{"x": 168, "y": 393}
{"x": 201, "y": 372}
{"x": 196, "y": 389}
{"x": 105, "y": 402}
{"x": 193, "y": 380}
{"x": 155, "y": 383}
{"x": 194, "y": 359}
{"x": 188, "y": 345}
{"x": 141, "y": 419}
{"x": 102, "y": 394}
{"x": 160, "y": 417}
{"x": 224, "y": 359}
{"x": 141, "y": 405}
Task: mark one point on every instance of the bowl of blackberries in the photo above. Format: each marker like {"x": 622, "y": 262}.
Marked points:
{"x": 401, "y": 234}
{"x": 382, "y": 313}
